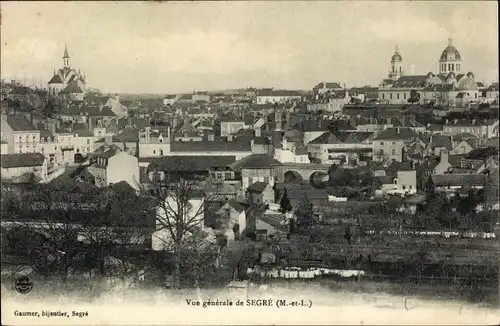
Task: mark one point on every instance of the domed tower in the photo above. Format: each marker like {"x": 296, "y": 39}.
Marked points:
{"x": 450, "y": 60}
{"x": 396, "y": 65}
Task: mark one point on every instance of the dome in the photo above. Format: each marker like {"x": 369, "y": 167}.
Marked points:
{"x": 450, "y": 53}
{"x": 396, "y": 56}
{"x": 470, "y": 75}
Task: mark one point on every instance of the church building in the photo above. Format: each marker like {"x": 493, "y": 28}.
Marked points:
{"x": 449, "y": 89}
{"x": 67, "y": 81}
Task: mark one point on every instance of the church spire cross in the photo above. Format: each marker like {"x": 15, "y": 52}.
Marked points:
{"x": 397, "y": 49}
{"x": 450, "y": 41}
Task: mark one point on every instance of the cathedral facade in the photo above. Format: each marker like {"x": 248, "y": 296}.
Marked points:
{"x": 67, "y": 81}
{"x": 450, "y": 88}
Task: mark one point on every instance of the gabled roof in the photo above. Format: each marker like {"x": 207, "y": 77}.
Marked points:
{"x": 459, "y": 179}
{"x": 230, "y": 117}
{"x": 326, "y": 138}
{"x": 312, "y": 125}
{"x": 72, "y": 88}
{"x": 212, "y": 146}
{"x": 278, "y": 93}
{"x": 257, "y": 187}
{"x": 129, "y": 135}
{"x": 399, "y": 133}
{"x": 399, "y": 166}
{"x": 255, "y": 161}
{"x": 56, "y": 79}
{"x": 493, "y": 87}
{"x": 410, "y": 81}
{"x": 237, "y": 206}
{"x": 441, "y": 141}
{"x": 20, "y": 123}
{"x": 22, "y": 160}
{"x": 189, "y": 163}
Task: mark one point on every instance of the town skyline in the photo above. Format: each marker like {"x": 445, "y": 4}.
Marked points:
{"x": 225, "y": 49}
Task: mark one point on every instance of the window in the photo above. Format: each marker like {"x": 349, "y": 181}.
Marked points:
{"x": 397, "y": 96}
{"x": 404, "y": 187}
{"x": 452, "y": 66}
{"x": 160, "y": 140}
{"x": 475, "y": 95}
{"x": 227, "y": 176}
{"x": 449, "y": 66}
{"x": 394, "y": 143}
{"x": 393, "y": 151}
{"x": 88, "y": 141}
{"x": 410, "y": 187}
{"x": 161, "y": 152}
{"x": 383, "y": 96}
{"x": 381, "y": 143}
{"x": 227, "y": 213}
{"x": 154, "y": 152}
{"x": 212, "y": 175}
{"x": 34, "y": 137}
{"x": 390, "y": 96}
{"x": 404, "y": 96}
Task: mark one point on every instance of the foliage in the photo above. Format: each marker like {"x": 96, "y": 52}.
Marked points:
{"x": 285, "y": 204}
{"x": 414, "y": 96}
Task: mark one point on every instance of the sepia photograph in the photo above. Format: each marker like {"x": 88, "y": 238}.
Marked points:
{"x": 249, "y": 163}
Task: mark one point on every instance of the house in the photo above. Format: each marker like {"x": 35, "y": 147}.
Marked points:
{"x": 404, "y": 178}
{"x": 260, "y": 193}
{"x": 235, "y": 215}
{"x": 169, "y": 99}
{"x": 451, "y": 183}
{"x": 256, "y": 168}
{"x": 199, "y": 165}
{"x": 444, "y": 165}
{"x": 154, "y": 141}
{"x": 290, "y": 152}
{"x": 19, "y": 133}
{"x": 16, "y": 165}
{"x": 277, "y": 96}
{"x": 340, "y": 147}
{"x": 114, "y": 165}
{"x": 230, "y": 124}
{"x": 389, "y": 144}
{"x": 186, "y": 132}
{"x": 464, "y": 147}
{"x": 492, "y": 92}
{"x": 479, "y": 128}
{"x": 127, "y": 141}
{"x": 269, "y": 226}
{"x": 236, "y": 147}
{"x": 311, "y": 129}
{"x": 325, "y": 87}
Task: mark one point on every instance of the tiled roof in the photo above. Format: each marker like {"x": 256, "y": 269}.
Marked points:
{"x": 72, "y": 88}
{"x": 441, "y": 141}
{"x": 257, "y": 187}
{"x": 410, "y": 81}
{"x": 56, "y": 79}
{"x": 326, "y": 138}
{"x": 96, "y": 100}
{"x": 230, "y": 117}
{"x": 211, "y": 146}
{"x": 129, "y": 135}
{"x": 20, "y": 123}
{"x": 399, "y": 166}
{"x": 328, "y": 85}
{"x": 189, "y": 163}
{"x": 106, "y": 154}
{"x": 278, "y": 93}
{"x": 237, "y": 206}
{"x": 493, "y": 87}
{"x": 83, "y": 132}
{"x": 400, "y": 133}
{"x": 458, "y": 179}
{"x": 22, "y": 160}
{"x": 255, "y": 161}
{"x": 313, "y": 125}
{"x": 73, "y": 110}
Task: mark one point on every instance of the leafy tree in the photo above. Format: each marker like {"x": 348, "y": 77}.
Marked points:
{"x": 414, "y": 96}
{"x": 285, "y": 204}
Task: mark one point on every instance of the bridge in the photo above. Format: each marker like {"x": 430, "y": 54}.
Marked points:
{"x": 300, "y": 171}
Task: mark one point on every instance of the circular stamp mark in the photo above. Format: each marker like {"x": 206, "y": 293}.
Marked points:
{"x": 23, "y": 284}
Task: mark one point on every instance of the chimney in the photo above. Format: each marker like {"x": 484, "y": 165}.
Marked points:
{"x": 108, "y": 140}
{"x": 147, "y": 131}
{"x": 89, "y": 123}
{"x": 257, "y": 132}
{"x": 444, "y": 156}
{"x": 278, "y": 117}
{"x": 397, "y": 130}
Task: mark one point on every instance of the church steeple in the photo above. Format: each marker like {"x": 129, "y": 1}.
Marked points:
{"x": 396, "y": 70}
{"x": 66, "y": 56}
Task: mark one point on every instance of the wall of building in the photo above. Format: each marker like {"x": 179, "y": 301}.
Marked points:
{"x": 390, "y": 150}
{"x": 123, "y": 167}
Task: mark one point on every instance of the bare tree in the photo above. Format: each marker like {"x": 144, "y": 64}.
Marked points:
{"x": 181, "y": 205}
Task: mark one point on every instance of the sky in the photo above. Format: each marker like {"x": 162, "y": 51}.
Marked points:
{"x": 170, "y": 47}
